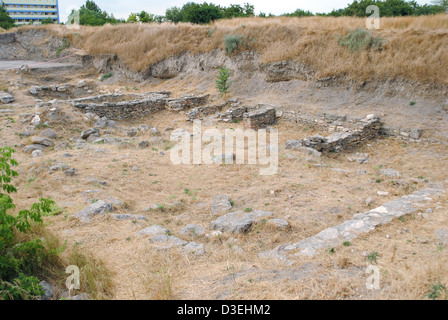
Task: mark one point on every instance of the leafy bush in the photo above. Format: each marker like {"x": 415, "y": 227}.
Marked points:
{"x": 222, "y": 81}
{"x": 361, "y": 39}
{"x": 19, "y": 261}
{"x": 233, "y": 43}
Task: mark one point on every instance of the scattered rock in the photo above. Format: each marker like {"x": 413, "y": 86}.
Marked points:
{"x": 70, "y": 172}
{"x": 6, "y": 97}
{"x": 279, "y": 223}
{"x": 36, "y": 121}
{"x": 194, "y": 248}
{"x": 49, "y": 134}
{"x": 294, "y": 144}
{"x": 192, "y": 230}
{"x": 221, "y": 204}
{"x": 226, "y": 158}
{"x": 81, "y": 84}
{"x": 390, "y": 173}
{"x": 154, "y": 230}
{"x": 122, "y": 217}
{"x": 177, "y": 134}
{"x": 33, "y": 147}
{"x": 382, "y": 193}
{"x": 98, "y": 208}
{"x": 144, "y": 144}
{"x": 49, "y": 294}
{"x": 42, "y": 141}
{"x": 359, "y": 157}
{"x": 37, "y": 153}
{"x": 87, "y": 133}
{"x": 238, "y": 222}
{"x": 369, "y": 201}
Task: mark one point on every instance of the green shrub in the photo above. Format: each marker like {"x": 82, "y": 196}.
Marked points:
{"x": 361, "y": 39}
{"x": 232, "y": 43}
{"x": 22, "y": 288}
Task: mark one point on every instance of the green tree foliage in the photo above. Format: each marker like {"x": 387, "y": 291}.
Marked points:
{"x": 174, "y": 14}
{"x": 206, "y": 12}
{"x": 200, "y": 13}
{"x": 19, "y": 261}
{"x": 143, "y": 17}
{"x": 90, "y": 14}
{"x": 237, "y": 11}
{"x": 6, "y": 22}
{"x": 300, "y": 13}
{"x": 388, "y": 8}
{"x": 47, "y": 21}
{"x": 443, "y": 4}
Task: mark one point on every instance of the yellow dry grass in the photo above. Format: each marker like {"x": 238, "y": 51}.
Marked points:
{"x": 416, "y": 48}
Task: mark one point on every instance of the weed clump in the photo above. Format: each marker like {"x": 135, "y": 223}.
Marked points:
{"x": 361, "y": 39}
{"x": 232, "y": 43}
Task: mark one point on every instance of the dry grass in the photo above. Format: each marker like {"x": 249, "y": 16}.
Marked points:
{"x": 416, "y": 48}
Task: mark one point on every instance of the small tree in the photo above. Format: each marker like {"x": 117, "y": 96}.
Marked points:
{"x": 222, "y": 81}
{"x": 6, "y": 22}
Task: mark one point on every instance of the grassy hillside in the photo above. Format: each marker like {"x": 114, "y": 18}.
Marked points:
{"x": 414, "y": 48}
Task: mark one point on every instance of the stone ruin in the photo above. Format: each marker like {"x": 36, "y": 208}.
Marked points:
{"x": 345, "y": 133}
{"x": 368, "y": 129}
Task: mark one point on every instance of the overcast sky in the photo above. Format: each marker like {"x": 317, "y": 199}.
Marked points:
{"x": 122, "y": 8}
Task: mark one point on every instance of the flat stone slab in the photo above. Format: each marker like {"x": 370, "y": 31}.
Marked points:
{"x": 239, "y": 221}
{"x": 98, "y": 208}
{"x": 154, "y": 230}
{"x": 192, "y": 230}
{"x": 351, "y": 229}
{"x": 35, "y": 65}
{"x": 43, "y": 141}
{"x": 122, "y": 217}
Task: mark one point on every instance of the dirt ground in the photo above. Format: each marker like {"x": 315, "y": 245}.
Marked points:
{"x": 308, "y": 192}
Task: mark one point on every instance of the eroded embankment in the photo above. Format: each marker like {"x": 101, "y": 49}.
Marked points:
{"x": 413, "y": 57}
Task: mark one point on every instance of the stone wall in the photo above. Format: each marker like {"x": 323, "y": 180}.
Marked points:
{"x": 337, "y": 123}
{"x": 121, "y": 106}
{"x": 368, "y": 129}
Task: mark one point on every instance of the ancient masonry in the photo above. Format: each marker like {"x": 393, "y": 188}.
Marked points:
{"x": 119, "y": 107}
{"x": 346, "y": 133}
{"x": 351, "y": 229}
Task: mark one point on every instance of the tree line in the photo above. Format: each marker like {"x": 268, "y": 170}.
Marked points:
{"x": 91, "y": 14}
